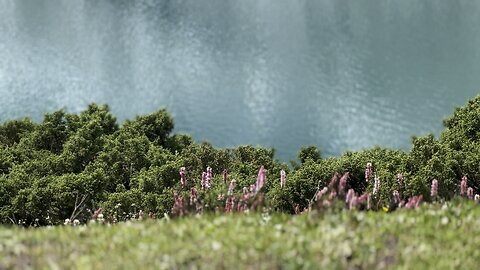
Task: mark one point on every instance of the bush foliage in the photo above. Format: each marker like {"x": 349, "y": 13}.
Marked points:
{"x": 69, "y": 165}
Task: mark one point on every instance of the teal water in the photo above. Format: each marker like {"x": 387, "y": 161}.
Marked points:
{"x": 344, "y": 75}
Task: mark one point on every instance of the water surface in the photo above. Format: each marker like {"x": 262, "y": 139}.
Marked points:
{"x": 335, "y": 73}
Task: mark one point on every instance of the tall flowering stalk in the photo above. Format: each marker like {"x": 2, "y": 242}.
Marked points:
{"x": 320, "y": 193}
{"x": 179, "y": 206}
{"x": 261, "y": 177}
{"x": 333, "y": 183}
{"x": 283, "y": 178}
{"x": 343, "y": 183}
{"x": 470, "y": 193}
{"x": 209, "y": 177}
{"x": 368, "y": 172}
{"x": 463, "y": 186}
{"x": 434, "y": 188}
{"x": 231, "y": 188}
{"x": 414, "y": 202}
{"x": 364, "y": 198}
{"x": 193, "y": 196}
{"x": 204, "y": 181}
{"x": 353, "y": 202}
{"x": 396, "y": 197}
{"x": 376, "y": 185}
{"x": 183, "y": 177}
{"x": 350, "y": 195}
{"x": 225, "y": 176}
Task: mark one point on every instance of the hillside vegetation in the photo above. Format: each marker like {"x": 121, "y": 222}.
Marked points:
{"x": 75, "y": 166}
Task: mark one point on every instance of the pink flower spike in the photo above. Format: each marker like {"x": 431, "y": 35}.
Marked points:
{"x": 396, "y": 197}
{"x": 343, "y": 183}
{"x": 262, "y": 175}
{"x": 463, "y": 186}
{"x": 434, "y": 189}
{"x": 183, "y": 178}
{"x": 333, "y": 195}
{"x": 350, "y": 195}
{"x": 283, "y": 178}
{"x": 204, "y": 181}
{"x": 368, "y": 171}
{"x": 333, "y": 182}
{"x": 209, "y": 176}
{"x": 231, "y": 187}
{"x": 193, "y": 196}
{"x": 320, "y": 193}
{"x": 353, "y": 202}
{"x": 470, "y": 193}
{"x": 376, "y": 185}
{"x": 225, "y": 176}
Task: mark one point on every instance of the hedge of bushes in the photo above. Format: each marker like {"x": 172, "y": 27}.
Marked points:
{"x": 70, "y": 165}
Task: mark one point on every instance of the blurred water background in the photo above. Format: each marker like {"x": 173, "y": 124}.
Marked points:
{"x": 343, "y": 75}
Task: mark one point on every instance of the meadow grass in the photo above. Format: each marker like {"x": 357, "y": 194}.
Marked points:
{"x": 434, "y": 236}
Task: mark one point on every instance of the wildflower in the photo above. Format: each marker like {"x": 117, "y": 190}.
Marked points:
{"x": 260, "y": 179}
{"x": 364, "y": 198}
{"x": 376, "y": 185}
{"x": 227, "y": 206}
{"x": 414, "y": 202}
{"x": 396, "y": 197}
{"x": 470, "y": 193}
{"x": 193, "y": 196}
{"x": 252, "y": 188}
{"x": 368, "y": 172}
{"x": 320, "y": 193}
{"x": 232, "y": 203}
{"x": 178, "y": 205}
{"x": 209, "y": 172}
{"x": 343, "y": 183}
{"x": 350, "y": 195}
{"x": 434, "y": 189}
{"x": 209, "y": 177}
{"x": 140, "y": 215}
{"x": 76, "y": 222}
{"x": 333, "y": 195}
{"x": 477, "y": 197}
{"x": 67, "y": 222}
{"x": 204, "y": 181}
{"x": 333, "y": 182}
{"x": 225, "y": 175}
{"x": 463, "y": 186}
{"x": 231, "y": 187}
{"x": 353, "y": 201}
{"x": 245, "y": 190}
{"x": 283, "y": 178}
{"x": 183, "y": 178}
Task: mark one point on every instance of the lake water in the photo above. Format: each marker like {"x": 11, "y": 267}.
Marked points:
{"x": 344, "y": 75}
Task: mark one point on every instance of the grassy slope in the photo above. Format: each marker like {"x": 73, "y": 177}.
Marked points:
{"x": 441, "y": 236}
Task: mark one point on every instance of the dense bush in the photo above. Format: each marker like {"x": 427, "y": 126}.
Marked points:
{"x": 70, "y": 165}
